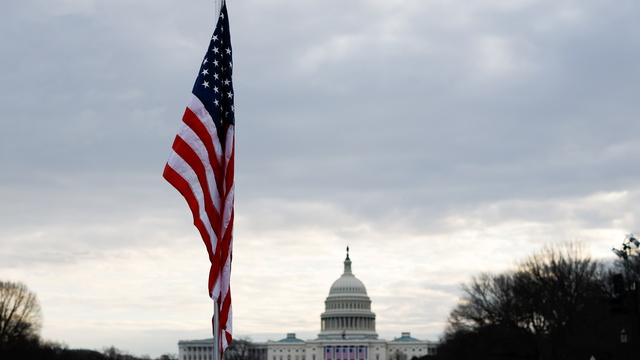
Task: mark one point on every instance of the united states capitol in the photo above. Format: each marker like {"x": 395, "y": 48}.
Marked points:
{"x": 347, "y": 332}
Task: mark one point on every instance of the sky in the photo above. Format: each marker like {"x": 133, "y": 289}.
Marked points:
{"x": 438, "y": 139}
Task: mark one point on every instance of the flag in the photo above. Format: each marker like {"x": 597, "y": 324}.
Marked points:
{"x": 201, "y": 166}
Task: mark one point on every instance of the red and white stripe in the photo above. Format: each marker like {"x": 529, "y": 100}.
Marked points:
{"x": 203, "y": 172}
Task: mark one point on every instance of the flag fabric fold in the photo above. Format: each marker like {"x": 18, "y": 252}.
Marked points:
{"x": 201, "y": 166}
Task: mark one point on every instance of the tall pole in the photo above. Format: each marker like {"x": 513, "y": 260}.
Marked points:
{"x": 216, "y": 331}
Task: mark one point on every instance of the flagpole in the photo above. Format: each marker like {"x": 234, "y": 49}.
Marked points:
{"x": 216, "y": 331}
{"x": 217, "y": 340}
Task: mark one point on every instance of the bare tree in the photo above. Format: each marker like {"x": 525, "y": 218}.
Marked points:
{"x": 553, "y": 286}
{"x": 240, "y": 349}
{"x": 552, "y": 305}
{"x": 20, "y": 314}
{"x": 488, "y": 300}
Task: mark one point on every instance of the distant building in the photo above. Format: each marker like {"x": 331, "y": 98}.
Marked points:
{"x": 203, "y": 350}
{"x": 347, "y": 332}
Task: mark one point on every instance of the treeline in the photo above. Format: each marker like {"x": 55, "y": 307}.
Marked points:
{"x": 40, "y": 350}
{"x": 20, "y": 324}
{"x": 556, "y": 304}
{"x": 48, "y": 351}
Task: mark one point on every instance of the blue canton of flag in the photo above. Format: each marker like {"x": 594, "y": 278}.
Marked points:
{"x": 214, "y": 85}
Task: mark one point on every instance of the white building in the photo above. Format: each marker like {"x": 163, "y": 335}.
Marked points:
{"x": 347, "y": 332}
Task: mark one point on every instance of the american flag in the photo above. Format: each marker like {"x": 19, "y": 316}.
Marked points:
{"x": 201, "y": 166}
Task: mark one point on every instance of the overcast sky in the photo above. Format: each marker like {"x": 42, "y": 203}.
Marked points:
{"x": 436, "y": 138}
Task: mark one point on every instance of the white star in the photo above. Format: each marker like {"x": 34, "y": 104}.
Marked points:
{"x": 215, "y": 50}
{"x": 205, "y": 84}
{"x": 216, "y": 102}
{"x": 215, "y": 76}
{"x": 215, "y": 88}
{"x": 226, "y": 82}
{"x": 205, "y": 61}
{"x": 230, "y": 94}
{"x": 205, "y": 72}
{"x": 228, "y": 51}
{"x": 214, "y": 37}
{"x": 215, "y": 62}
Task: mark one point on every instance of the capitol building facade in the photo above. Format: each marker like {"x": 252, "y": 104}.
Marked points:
{"x": 347, "y": 332}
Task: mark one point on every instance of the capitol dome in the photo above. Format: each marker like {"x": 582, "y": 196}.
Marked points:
{"x": 348, "y": 309}
{"x": 347, "y": 283}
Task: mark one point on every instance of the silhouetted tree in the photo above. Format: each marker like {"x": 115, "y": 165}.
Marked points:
{"x": 113, "y": 353}
{"x": 20, "y": 316}
{"x": 553, "y": 288}
{"x": 168, "y": 356}
{"x": 239, "y": 349}
{"x": 553, "y": 305}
